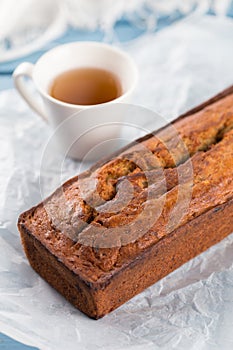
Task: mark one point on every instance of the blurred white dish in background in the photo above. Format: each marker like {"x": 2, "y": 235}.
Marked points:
{"x": 27, "y": 25}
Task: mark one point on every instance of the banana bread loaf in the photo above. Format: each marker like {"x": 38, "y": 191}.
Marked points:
{"x": 109, "y": 233}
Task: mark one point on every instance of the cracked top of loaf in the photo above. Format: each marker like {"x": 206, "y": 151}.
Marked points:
{"x": 100, "y": 221}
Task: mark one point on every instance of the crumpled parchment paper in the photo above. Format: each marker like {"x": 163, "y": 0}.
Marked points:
{"x": 192, "y": 308}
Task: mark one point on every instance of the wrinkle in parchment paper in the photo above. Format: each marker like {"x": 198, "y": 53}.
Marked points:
{"x": 192, "y": 307}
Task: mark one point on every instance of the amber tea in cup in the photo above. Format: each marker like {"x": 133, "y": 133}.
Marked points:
{"x": 87, "y": 74}
{"x": 86, "y": 86}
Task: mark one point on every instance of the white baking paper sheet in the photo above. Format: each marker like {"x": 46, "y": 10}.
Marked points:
{"x": 192, "y": 308}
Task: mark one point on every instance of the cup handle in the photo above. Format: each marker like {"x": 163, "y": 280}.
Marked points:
{"x": 23, "y": 70}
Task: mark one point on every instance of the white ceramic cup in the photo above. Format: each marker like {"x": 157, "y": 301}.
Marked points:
{"x": 63, "y": 58}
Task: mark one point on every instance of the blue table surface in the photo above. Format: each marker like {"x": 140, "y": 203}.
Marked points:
{"x": 124, "y": 32}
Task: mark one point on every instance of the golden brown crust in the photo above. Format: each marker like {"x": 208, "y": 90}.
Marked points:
{"x": 99, "y": 223}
